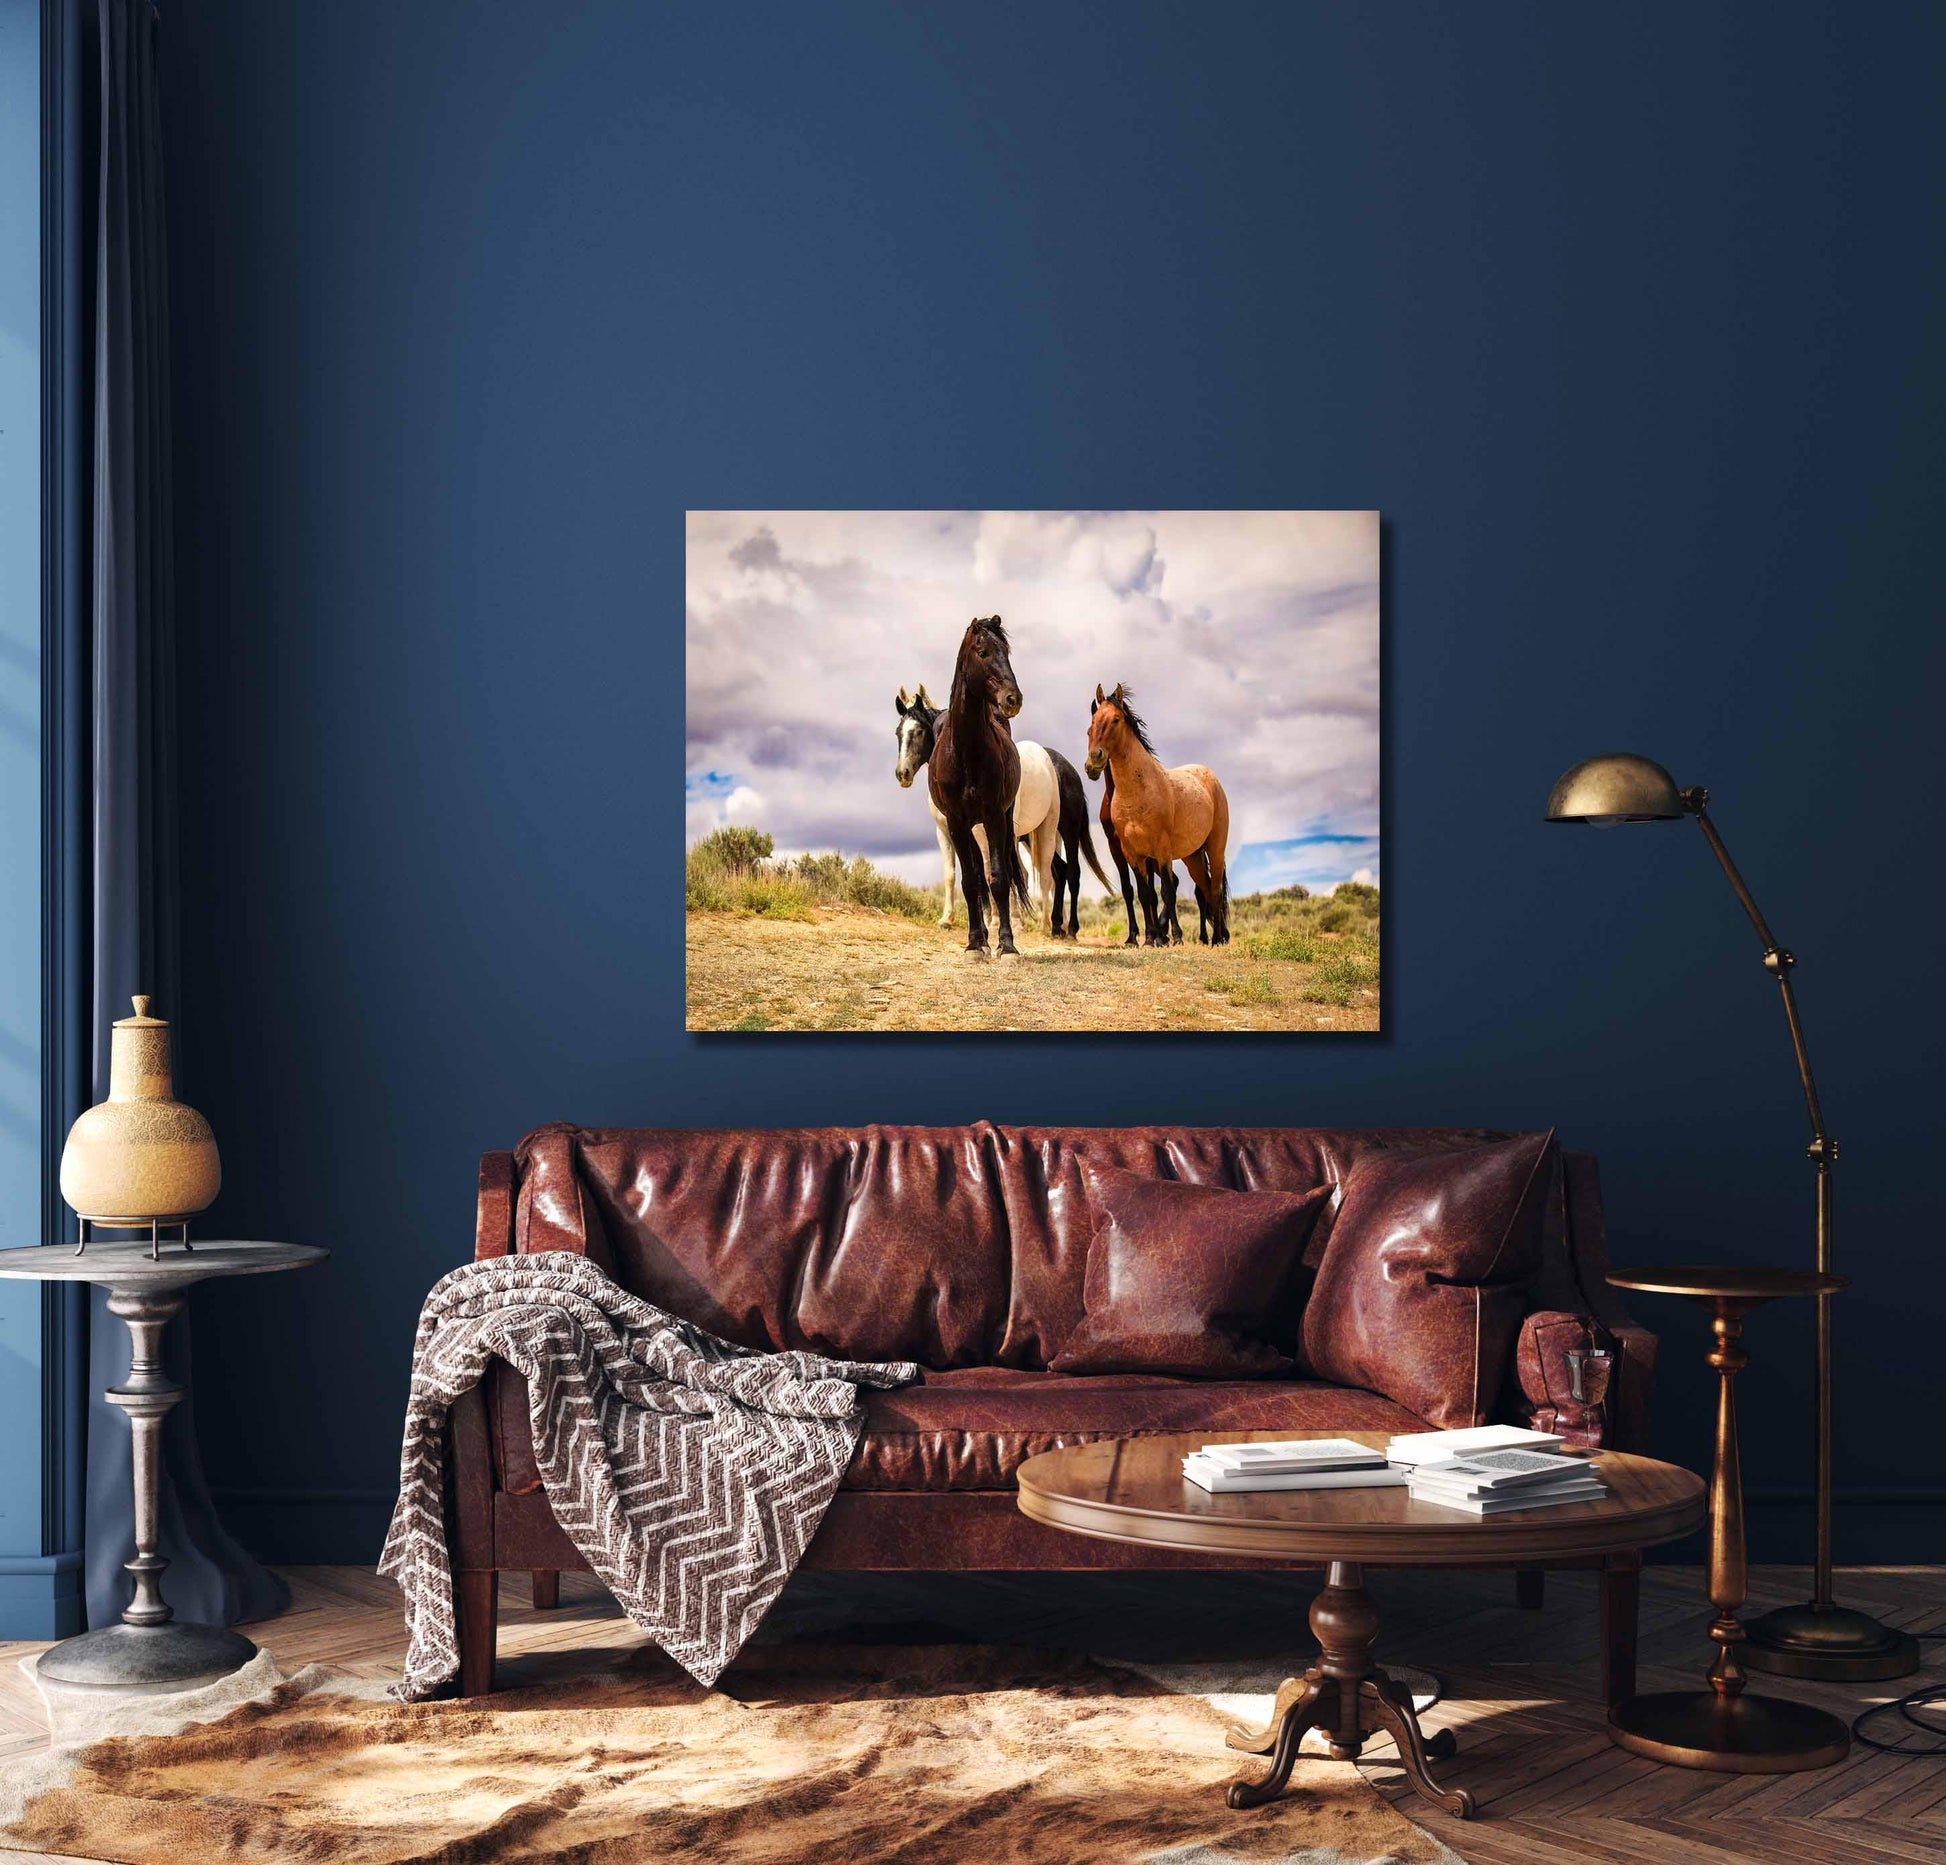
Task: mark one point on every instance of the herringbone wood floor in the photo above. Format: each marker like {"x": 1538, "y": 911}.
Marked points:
{"x": 1520, "y": 1690}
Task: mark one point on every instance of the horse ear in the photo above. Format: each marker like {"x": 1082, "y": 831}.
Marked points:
{"x": 1099, "y": 694}
{"x": 925, "y": 699}
{"x": 1120, "y": 694}
{"x": 903, "y": 701}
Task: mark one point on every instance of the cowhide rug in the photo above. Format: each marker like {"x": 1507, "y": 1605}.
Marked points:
{"x": 837, "y": 1754}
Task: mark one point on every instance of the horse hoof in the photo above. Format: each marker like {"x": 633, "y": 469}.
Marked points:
{"x": 975, "y": 955}
{"x": 1007, "y": 950}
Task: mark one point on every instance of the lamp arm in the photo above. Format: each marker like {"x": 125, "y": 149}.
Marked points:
{"x": 1779, "y": 963}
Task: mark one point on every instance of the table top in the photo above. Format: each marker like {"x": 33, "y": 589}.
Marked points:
{"x": 1133, "y": 1489}
{"x": 124, "y": 1263}
{"x": 1728, "y": 1281}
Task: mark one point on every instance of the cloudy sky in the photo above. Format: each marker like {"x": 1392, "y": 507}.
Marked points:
{"x": 1249, "y": 641}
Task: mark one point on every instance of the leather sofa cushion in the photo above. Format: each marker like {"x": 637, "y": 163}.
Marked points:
{"x": 974, "y": 1428}
{"x": 1427, "y": 1273}
{"x": 953, "y": 1246}
{"x": 1189, "y": 1279}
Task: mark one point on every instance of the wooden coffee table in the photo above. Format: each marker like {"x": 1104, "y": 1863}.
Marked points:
{"x": 1133, "y": 1489}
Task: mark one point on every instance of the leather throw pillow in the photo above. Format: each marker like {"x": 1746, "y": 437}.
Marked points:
{"x": 1425, "y": 1275}
{"x": 1189, "y": 1279}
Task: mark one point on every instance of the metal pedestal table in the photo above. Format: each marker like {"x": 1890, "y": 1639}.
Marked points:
{"x": 1725, "y": 1727}
{"x": 151, "y": 1649}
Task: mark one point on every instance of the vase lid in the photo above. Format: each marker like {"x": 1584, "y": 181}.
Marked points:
{"x": 141, "y": 1019}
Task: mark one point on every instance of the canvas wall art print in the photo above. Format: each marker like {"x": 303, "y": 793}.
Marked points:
{"x": 1032, "y": 770}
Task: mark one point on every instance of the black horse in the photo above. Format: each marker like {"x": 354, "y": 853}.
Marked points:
{"x": 974, "y": 774}
{"x": 1075, "y": 841}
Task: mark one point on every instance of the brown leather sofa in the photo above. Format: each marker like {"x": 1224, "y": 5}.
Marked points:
{"x": 963, "y": 1248}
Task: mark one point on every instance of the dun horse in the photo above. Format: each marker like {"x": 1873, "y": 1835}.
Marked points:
{"x": 1161, "y": 816}
{"x": 973, "y": 777}
{"x": 1106, "y": 814}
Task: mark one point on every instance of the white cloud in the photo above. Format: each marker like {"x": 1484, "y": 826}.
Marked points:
{"x": 744, "y": 804}
{"x": 1250, "y": 640}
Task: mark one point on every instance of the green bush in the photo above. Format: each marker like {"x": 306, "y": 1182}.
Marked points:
{"x": 1338, "y": 974}
{"x": 735, "y": 849}
{"x": 731, "y": 871}
{"x": 824, "y": 875}
{"x": 1286, "y": 942}
{"x": 1250, "y": 987}
{"x": 702, "y": 891}
{"x": 886, "y": 893}
{"x": 774, "y": 897}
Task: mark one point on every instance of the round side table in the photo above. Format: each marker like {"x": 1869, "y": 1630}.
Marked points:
{"x": 1726, "y": 1728}
{"x": 1133, "y": 1489}
{"x": 151, "y": 1649}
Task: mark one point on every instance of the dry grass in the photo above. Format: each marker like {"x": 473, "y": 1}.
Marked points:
{"x": 854, "y": 969}
{"x": 828, "y": 943}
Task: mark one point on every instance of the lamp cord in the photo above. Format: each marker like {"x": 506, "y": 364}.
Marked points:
{"x": 1908, "y": 1708}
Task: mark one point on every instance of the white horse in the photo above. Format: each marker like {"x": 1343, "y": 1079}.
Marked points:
{"x": 1037, "y": 803}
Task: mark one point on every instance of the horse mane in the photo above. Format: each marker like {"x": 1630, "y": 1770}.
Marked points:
{"x": 993, "y": 625}
{"x": 1134, "y": 721}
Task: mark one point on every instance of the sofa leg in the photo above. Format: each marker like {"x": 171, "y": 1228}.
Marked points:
{"x": 1621, "y": 1585}
{"x": 1530, "y": 1588}
{"x": 479, "y": 1629}
{"x": 547, "y": 1589}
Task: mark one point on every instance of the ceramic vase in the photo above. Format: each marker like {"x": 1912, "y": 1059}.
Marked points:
{"x": 140, "y": 1155}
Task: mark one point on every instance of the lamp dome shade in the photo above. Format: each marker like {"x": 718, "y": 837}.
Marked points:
{"x": 1618, "y": 787}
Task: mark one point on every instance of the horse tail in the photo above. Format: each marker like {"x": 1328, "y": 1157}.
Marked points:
{"x": 1020, "y": 880}
{"x": 1218, "y": 850}
{"x": 1088, "y": 849}
{"x": 1219, "y": 841}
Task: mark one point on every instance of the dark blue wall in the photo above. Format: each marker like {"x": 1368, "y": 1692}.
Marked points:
{"x": 1628, "y": 319}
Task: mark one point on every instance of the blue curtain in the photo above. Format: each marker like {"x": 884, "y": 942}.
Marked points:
{"x": 133, "y": 908}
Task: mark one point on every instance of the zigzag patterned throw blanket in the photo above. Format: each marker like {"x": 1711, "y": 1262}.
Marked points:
{"x": 690, "y": 1473}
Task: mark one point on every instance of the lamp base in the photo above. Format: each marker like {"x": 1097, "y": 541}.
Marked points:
{"x": 1831, "y": 1643}
{"x": 1728, "y": 1735}
{"x": 138, "y": 1660}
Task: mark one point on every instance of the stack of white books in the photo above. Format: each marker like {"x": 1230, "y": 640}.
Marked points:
{"x": 1427, "y": 1447}
{"x": 1295, "y": 1463}
{"x": 1496, "y": 1482}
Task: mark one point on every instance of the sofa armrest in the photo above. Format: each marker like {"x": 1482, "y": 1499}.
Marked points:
{"x": 1549, "y": 1340}
{"x": 493, "y": 1223}
{"x": 552, "y": 1207}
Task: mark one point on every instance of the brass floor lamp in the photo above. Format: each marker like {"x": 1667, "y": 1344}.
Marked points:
{"x": 1820, "y": 1638}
